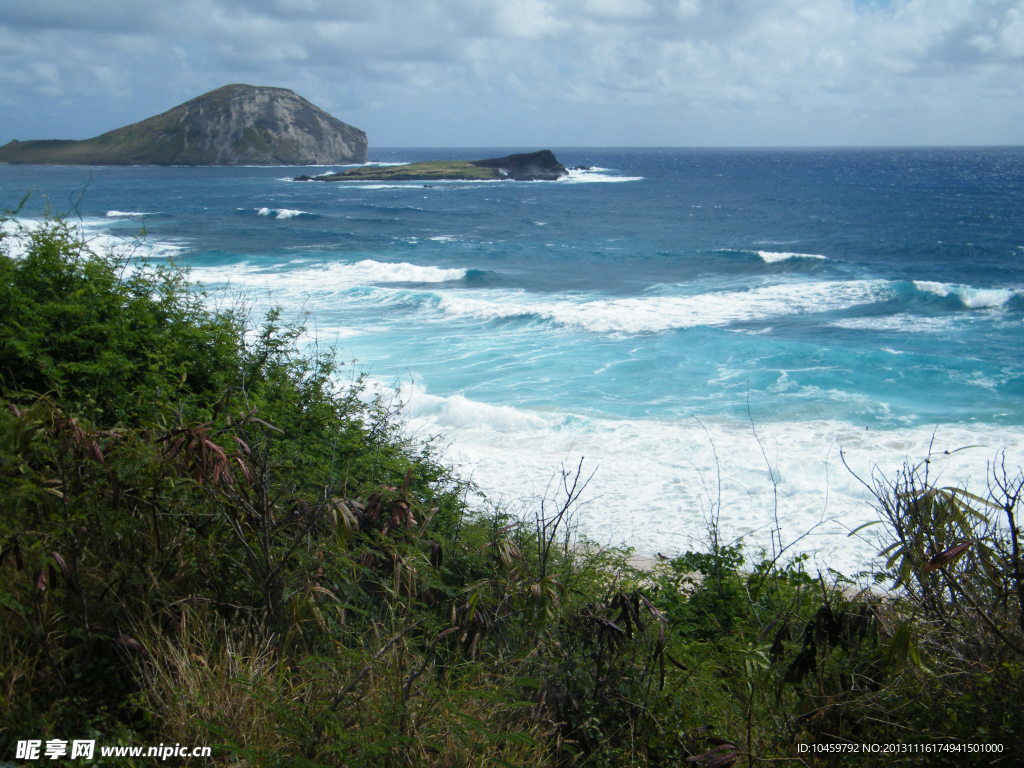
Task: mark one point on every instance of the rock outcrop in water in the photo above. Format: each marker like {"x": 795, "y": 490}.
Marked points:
{"x": 233, "y": 125}
{"x": 530, "y": 166}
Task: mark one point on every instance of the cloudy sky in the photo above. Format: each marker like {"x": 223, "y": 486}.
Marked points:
{"x": 527, "y": 73}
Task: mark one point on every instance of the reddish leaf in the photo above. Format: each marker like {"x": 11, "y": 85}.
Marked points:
{"x": 950, "y": 555}
{"x": 130, "y": 643}
{"x": 61, "y": 562}
{"x": 245, "y": 469}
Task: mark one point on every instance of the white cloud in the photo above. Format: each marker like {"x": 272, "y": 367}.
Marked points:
{"x": 615, "y": 71}
{"x": 528, "y": 19}
{"x": 618, "y": 9}
{"x": 1011, "y": 34}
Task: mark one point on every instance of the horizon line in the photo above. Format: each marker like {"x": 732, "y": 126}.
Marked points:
{"x": 700, "y": 146}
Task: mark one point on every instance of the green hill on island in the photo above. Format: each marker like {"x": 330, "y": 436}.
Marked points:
{"x": 233, "y": 125}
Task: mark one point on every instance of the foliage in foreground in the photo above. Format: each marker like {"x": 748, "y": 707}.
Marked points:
{"x": 206, "y": 541}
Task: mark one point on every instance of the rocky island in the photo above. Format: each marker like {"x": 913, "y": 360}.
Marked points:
{"x": 530, "y": 166}
{"x": 232, "y": 125}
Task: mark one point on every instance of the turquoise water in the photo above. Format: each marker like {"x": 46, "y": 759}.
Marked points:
{"x": 708, "y": 328}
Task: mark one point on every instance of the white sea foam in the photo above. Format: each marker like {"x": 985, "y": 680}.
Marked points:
{"x": 594, "y": 175}
{"x": 282, "y": 213}
{"x": 657, "y": 481}
{"x": 135, "y": 248}
{"x": 13, "y": 236}
{"x": 970, "y": 297}
{"x": 127, "y": 214}
{"x": 772, "y": 257}
{"x": 368, "y": 185}
{"x": 655, "y": 314}
{"x": 97, "y": 236}
{"x": 460, "y": 412}
{"x": 371, "y": 271}
{"x": 329, "y": 334}
{"x": 903, "y": 322}
{"x": 323, "y": 277}
{"x": 93, "y": 232}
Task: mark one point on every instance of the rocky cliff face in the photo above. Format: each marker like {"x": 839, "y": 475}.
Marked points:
{"x": 233, "y": 125}
{"x": 531, "y": 166}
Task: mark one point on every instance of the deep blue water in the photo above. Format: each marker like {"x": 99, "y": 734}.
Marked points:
{"x": 679, "y": 317}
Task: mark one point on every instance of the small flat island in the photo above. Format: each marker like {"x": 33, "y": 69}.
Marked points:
{"x": 530, "y": 166}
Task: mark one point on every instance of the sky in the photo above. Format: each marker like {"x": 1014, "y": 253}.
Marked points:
{"x": 536, "y": 73}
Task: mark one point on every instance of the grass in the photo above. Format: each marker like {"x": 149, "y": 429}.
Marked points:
{"x": 434, "y": 170}
{"x": 226, "y": 548}
{"x": 156, "y": 141}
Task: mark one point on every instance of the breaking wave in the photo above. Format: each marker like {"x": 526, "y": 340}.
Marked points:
{"x": 968, "y": 296}
{"x": 127, "y": 214}
{"x": 592, "y": 175}
{"x": 773, "y": 257}
{"x": 663, "y": 313}
{"x": 302, "y": 277}
{"x": 282, "y": 213}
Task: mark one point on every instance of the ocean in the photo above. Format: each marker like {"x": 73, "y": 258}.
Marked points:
{"x": 733, "y": 335}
